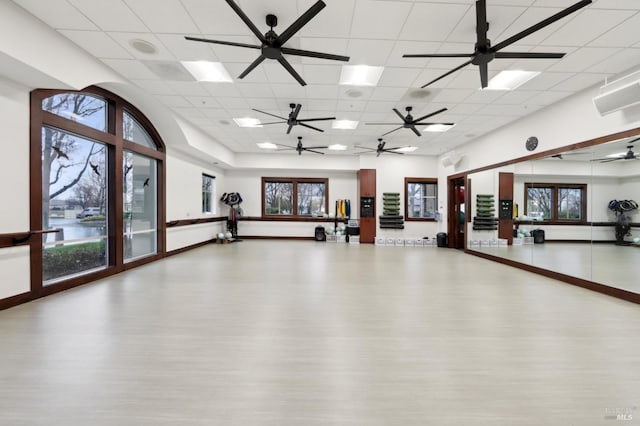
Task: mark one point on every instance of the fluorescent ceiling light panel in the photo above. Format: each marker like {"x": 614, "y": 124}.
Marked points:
{"x": 618, "y": 155}
{"x": 208, "y": 71}
{"x": 267, "y": 145}
{"x": 407, "y": 149}
{"x": 437, "y": 127}
{"x": 337, "y": 147}
{"x": 344, "y": 124}
{"x": 360, "y": 75}
{"x": 247, "y": 122}
{"x": 510, "y": 79}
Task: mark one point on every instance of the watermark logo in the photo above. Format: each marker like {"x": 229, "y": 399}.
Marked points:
{"x": 619, "y": 413}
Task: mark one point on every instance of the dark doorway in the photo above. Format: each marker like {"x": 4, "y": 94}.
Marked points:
{"x": 456, "y": 213}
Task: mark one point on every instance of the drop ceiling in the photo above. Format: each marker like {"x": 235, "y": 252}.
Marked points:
{"x": 601, "y": 41}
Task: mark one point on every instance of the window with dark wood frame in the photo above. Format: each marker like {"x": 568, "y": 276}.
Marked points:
{"x": 420, "y": 199}
{"x": 108, "y": 134}
{"x": 294, "y": 197}
{"x": 556, "y": 202}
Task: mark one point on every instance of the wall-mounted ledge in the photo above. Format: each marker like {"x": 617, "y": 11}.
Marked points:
{"x": 567, "y": 223}
{"x": 291, "y": 219}
{"x": 194, "y": 221}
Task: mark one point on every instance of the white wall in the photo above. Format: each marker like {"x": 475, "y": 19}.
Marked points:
{"x": 14, "y": 185}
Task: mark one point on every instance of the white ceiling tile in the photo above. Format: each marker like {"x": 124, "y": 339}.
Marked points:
{"x": 398, "y": 77}
{"x": 124, "y": 39}
{"x": 516, "y": 97}
{"x": 265, "y": 104}
{"x": 113, "y": 15}
{"x": 583, "y": 58}
{"x": 203, "y": 102}
{"x": 58, "y": 14}
{"x": 97, "y": 43}
{"x": 218, "y": 18}
{"x": 130, "y": 68}
{"x": 288, "y": 92}
{"x": 166, "y": 16}
{"x": 387, "y": 93}
{"x": 484, "y": 96}
{"x": 369, "y": 52}
{"x": 580, "y": 82}
{"x": 185, "y": 50}
{"x": 321, "y": 74}
{"x": 322, "y": 92}
{"x": 530, "y": 17}
{"x": 411, "y": 47}
{"x": 547, "y": 98}
{"x": 257, "y": 75}
{"x": 619, "y": 62}
{"x": 320, "y": 104}
{"x": 498, "y": 16}
{"x": 432, "y": 22}
{"x": 333, "y": 21}
{"x": 624, "y": 35}
{"x": 597, "y": 22}
{"x": 187, "y": 88}
{"x": 255, "y": 90}
{"x": 379, "y": 19}
{"x": 155, "y": 87}
{"x": 454, "y": 95}
{"x": 225, "y": 90}
{"x": 545, "y": 81}
{"x": 174, "y": 101}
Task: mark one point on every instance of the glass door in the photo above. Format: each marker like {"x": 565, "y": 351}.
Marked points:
{"x": 140, "y": 215}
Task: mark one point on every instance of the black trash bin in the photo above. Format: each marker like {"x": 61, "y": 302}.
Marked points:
{"x": 320, "y": 233}
{"x": 538, "y": 236}
{"x": 441, "y": 239}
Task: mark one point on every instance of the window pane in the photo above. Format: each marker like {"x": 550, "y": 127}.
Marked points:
{"x": 278, "y": 198}
{"x": 570, "y": 203}
{"x": 74, "y": 202}
{"x": 134, "y": 132}
{"x": 311, "y": 198}
{"x": 539, "y": 202}
{"x": 208, "y": 194}
{"x": 140, "y": 206}
{"x": 84, "y": 109}
{"x": 422, "y": 200}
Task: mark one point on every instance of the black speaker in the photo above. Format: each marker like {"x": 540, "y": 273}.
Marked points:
{"x": 320, "y": 234}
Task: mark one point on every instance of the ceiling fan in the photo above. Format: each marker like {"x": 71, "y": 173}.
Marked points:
{"x": 485, "y": 53}
{"x": 410, "y": 123}
{"x": 272, "y": 45}
{"x": 629, "y": 155}
{"x": 301, "y": 148}
{"x": 293, "y": 120}
{"x": 380, "y": 149}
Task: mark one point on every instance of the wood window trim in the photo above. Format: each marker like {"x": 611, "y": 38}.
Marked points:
{"x": 112, "y": 138}
{"x": 555, "y": 187}
{"x": 294, "y": 181}
{"x": 407, "y": 181}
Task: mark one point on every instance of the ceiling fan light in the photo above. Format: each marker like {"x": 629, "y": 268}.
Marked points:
{"x": 437, "y": 127}
{"x": 337, "y": 147}
{"x": 510, "y": 79}
{"x": 360, "y": 75}
{"x": 344, "y": 124}
{"x": 407, "y": 149}
{"x": 247, "y": 122}
{"x": 208, "y": 71}
{"x": 267, "y": 145}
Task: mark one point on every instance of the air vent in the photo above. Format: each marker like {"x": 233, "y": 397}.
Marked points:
{"x": 169, "y": 70}
{"x": 143, "y": 46}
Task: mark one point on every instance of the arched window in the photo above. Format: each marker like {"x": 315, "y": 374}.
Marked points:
{"x": 97, "y": 188}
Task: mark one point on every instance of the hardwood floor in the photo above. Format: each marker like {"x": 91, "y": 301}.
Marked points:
{"x": 305, "y": 333}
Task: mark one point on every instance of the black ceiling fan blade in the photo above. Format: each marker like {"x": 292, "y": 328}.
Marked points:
{"x": 300, "y": 22}
{"x": 391, "y": 131}
{"x": 316, "y": 119}
{"x": 311, "y": 150}
{"x": 381, "y": 124}
{"x": 447, "y": 74}
{"x": 429, "y": 115}
{"x": 315, "y": 147}
{"x": 312, "y": 54}
{"x": 416, "y": 131}
{"x": 540, "y": 25}
{"x": 227, "y": 43}
{"x": 484, "y": 75}
{"x": 289, "y": 128}
{"x": 287, "y": 147}
{"x": 295, "y": 112}
{"x": 310, "y": 127}
{"x": 482, "y": 26}
{"x": 272, "y": 122}
{"x": 251, "y": 67}
{"x": 528, "y": 55}
{"x": 364, "y": 147}
{"x": 291, "y": 71}
{"x": 439, "y": 55}
{"x": 393, "y": 151}
{"x": 268, "y": 113}
{"x": 247, "y": 21}
{"x": 402, "y": 117}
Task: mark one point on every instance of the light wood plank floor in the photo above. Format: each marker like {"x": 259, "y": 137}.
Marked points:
{"x": 306, "y": 333}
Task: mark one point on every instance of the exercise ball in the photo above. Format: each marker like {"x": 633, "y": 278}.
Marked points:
{"x": 228, "y": 235}
{"x": 221, "y": 236}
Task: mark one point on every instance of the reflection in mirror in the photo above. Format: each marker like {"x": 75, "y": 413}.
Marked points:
{"x": 562, "y": 219}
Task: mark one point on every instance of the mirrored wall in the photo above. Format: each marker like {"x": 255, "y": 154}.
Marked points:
{"x": 573, "y": 212}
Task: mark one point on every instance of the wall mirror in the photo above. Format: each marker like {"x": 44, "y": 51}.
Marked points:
{"x": 561, "y": 218}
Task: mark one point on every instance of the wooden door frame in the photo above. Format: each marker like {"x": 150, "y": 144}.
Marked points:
{"x": 452, "y": 218}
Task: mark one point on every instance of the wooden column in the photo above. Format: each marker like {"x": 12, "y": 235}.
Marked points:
{"x": 367, "y": 194}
